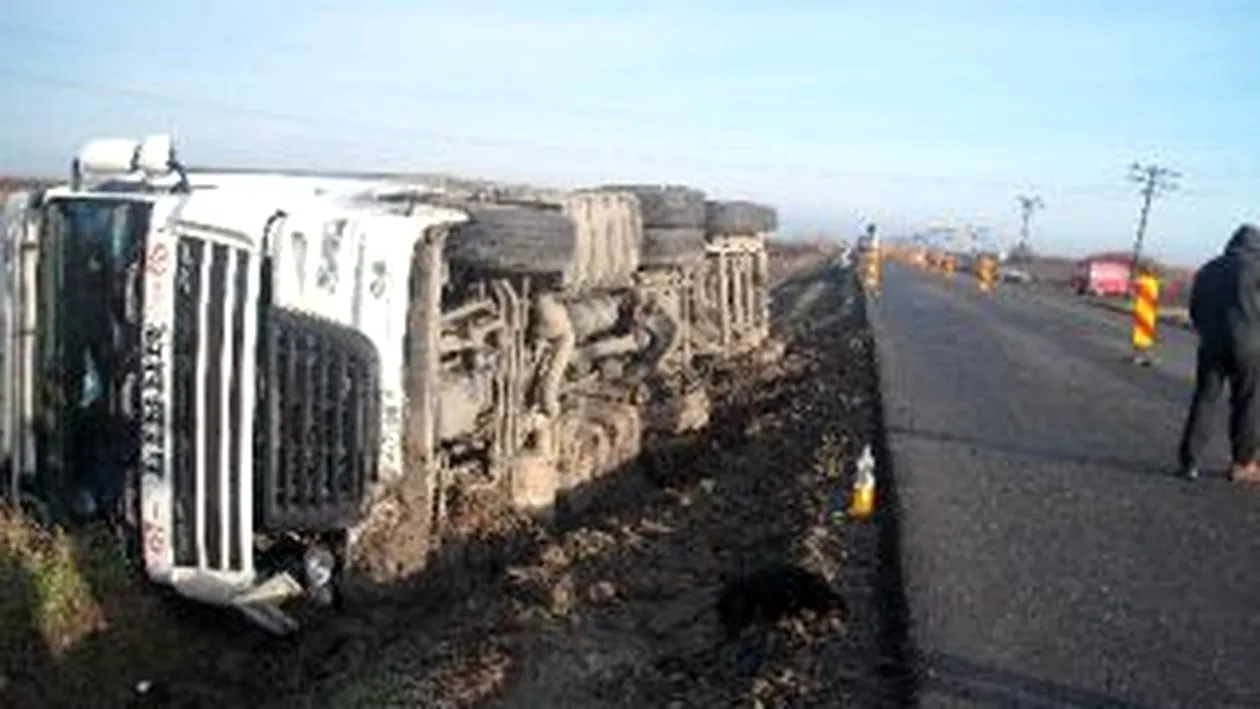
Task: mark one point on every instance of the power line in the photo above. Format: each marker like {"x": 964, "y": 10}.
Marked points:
{"x": 611, "y": 116}
{"x": 412, "y": 133}
{"x": 61, "y": 38}
{"x": 64, "y": 39}
{"x": 1156, "y": 180}
{"x": 602, "y": 113}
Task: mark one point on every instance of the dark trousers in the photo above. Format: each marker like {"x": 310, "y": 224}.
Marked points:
{"x": 1212, "y": 372}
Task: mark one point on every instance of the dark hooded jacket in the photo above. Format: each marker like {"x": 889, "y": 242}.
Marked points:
{"x": 1225, "y": 298}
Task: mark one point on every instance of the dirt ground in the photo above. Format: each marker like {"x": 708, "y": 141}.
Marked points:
{"x": 612, "y": 606}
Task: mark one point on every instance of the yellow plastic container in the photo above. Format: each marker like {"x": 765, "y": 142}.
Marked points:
{"x": 862, "y": 499}
{"x": 862, "y": 504}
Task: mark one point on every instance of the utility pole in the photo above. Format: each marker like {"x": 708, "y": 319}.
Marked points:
{"x": 1027, "y": 205}
{"x": 1155, "y": 181}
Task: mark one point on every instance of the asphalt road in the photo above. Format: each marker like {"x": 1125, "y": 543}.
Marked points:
{"x": 1050, "y": 554}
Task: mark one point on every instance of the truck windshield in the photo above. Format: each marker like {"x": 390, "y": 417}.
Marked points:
{"x": 88, "y": 287}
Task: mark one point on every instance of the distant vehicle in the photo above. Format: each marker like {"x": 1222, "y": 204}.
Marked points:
{"x": 1011, "y": 274}
{"x": 1101, "y": 277}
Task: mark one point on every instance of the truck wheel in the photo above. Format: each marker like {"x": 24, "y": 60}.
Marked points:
{"x": 669, "y": 248}
{"x": 738, "y": 217}
{"x": 666, "y": 206}
{"x": 499, "y": 239}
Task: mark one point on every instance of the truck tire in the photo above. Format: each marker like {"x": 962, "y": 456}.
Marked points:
{"x": 677, "y": 247}
{"x": 738, "y": 217}
{"x": 513, "y": 240}
{"x": 609, "y": 229}
{"x": 666, "y": 206}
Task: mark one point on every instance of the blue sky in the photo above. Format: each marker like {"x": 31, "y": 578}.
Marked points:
{"x": 836, "y": 111}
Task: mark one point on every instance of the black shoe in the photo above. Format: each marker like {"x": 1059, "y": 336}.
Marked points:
{"x": 1190, "y": 472}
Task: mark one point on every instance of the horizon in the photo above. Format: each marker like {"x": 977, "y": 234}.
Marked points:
{"x": 834, "y": 115}
{"x": 791, "y": 229}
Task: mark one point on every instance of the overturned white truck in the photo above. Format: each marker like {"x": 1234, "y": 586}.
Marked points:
{"x": 267, "y": 381}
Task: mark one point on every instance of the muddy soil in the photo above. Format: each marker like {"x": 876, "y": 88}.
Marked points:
{"x": 613, "y": 605}
{"x": 616, "y": 609}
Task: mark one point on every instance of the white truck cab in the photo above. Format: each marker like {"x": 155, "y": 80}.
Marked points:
{"x": 205, "y": 360}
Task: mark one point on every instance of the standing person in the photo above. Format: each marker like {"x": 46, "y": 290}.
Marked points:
{"x": 1225, "y": 312}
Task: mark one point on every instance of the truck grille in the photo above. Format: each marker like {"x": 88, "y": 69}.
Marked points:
{"x": 211, "y": 368}
{"x": 319, "y": 429}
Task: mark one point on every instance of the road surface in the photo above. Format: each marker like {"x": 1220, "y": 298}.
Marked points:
{"x": 1051, "y": 556}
